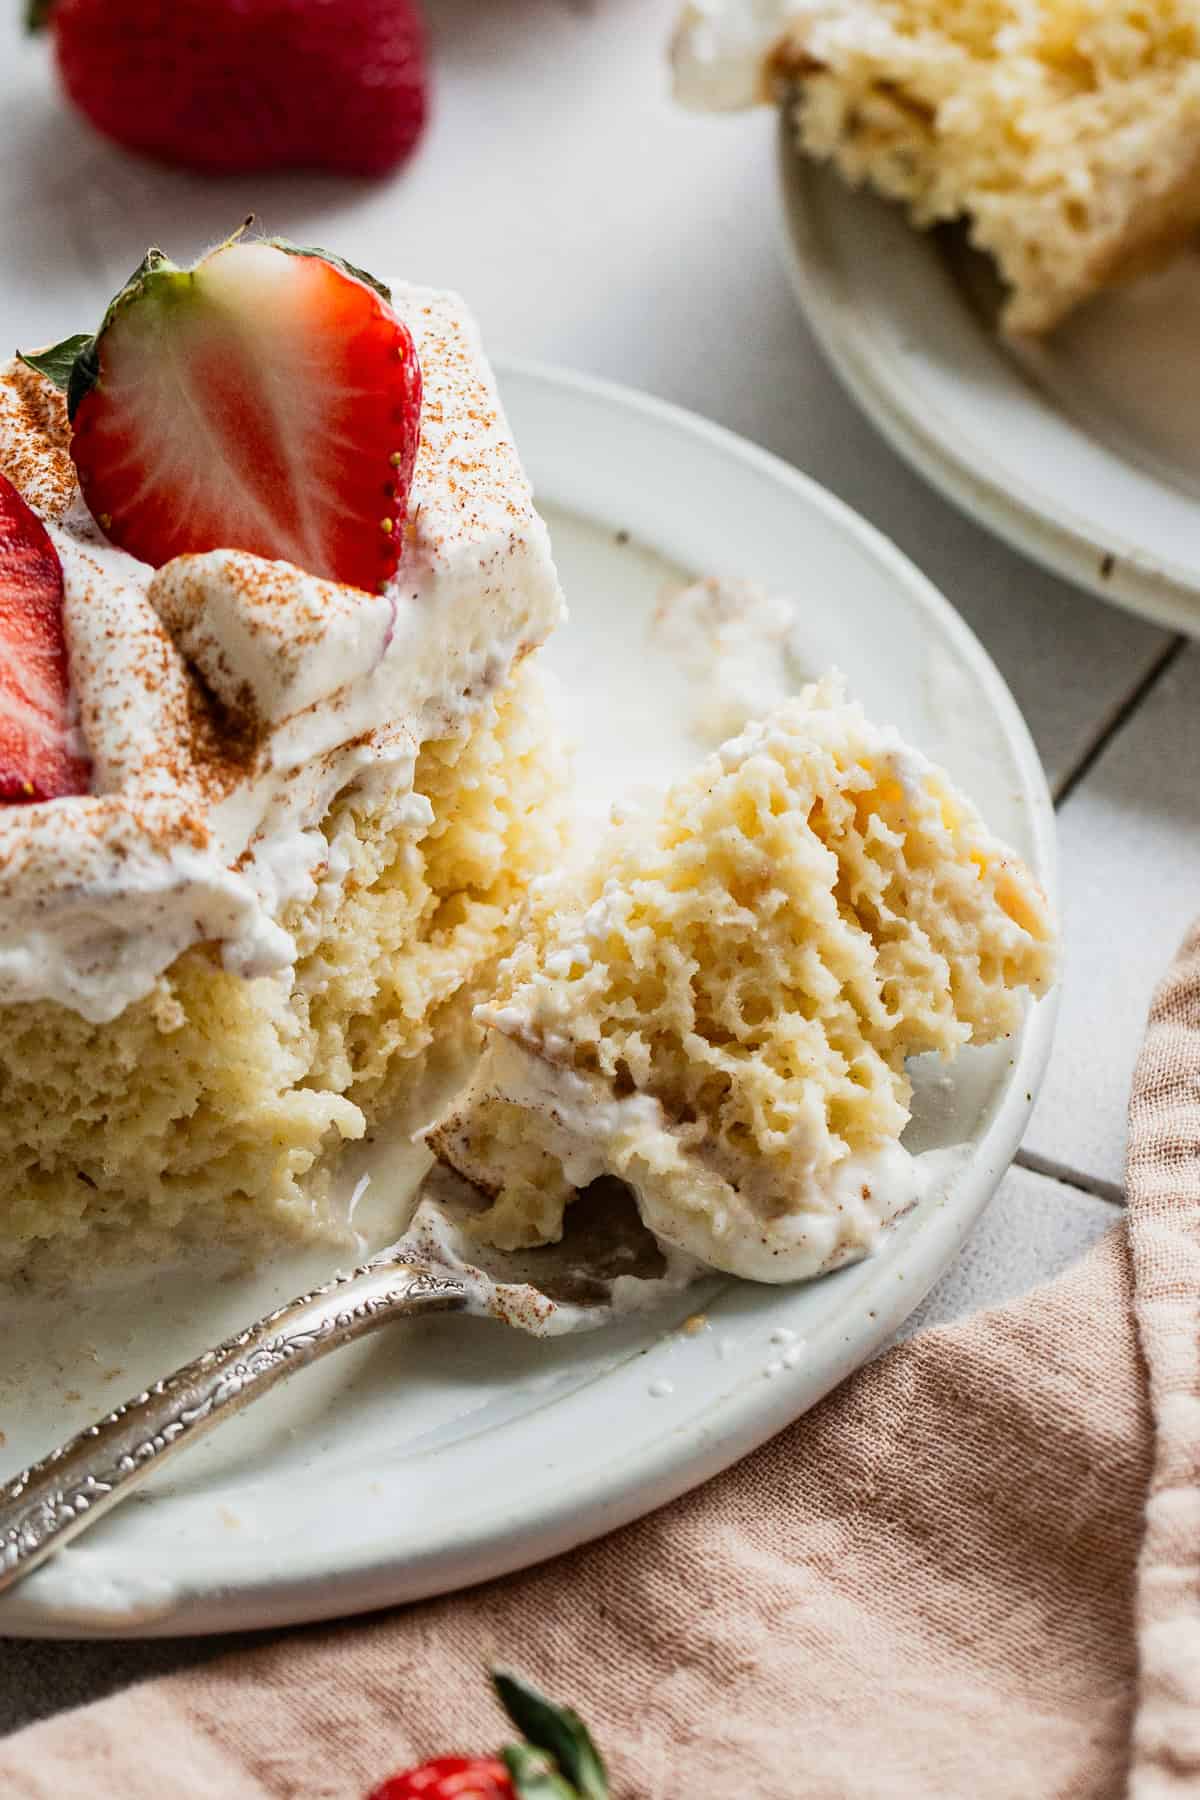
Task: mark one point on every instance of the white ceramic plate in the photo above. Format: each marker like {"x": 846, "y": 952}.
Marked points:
{"x": 1083, "y": 450}
{"x": 431, "y": 1457}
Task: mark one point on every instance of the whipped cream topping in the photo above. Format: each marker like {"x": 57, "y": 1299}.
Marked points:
{"x": 227, "y": 701}
{"x": 722, "y": 50}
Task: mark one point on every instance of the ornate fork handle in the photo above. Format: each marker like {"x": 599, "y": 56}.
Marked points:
{"x": 55, "y": 1499}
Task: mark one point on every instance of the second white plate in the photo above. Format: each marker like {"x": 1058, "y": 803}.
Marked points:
{"x": 435, "y": 1456}
{"x": 1082, "y": 450}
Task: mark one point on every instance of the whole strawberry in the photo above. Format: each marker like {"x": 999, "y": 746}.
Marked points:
{"x": 556, "y": 1759}
{"x": 229, "y": 85}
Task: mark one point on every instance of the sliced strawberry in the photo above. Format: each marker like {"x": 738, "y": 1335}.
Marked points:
{"x": 267, "y": 399}
{"x": 450, "y": 1778}
{"x": 37, "y": 761}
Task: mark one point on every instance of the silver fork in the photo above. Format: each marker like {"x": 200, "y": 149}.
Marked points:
{"x": 436, "y": 1266}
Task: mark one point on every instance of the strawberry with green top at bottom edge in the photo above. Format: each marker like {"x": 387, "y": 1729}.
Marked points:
{"x": 266, "y": 399}
{"x": 556, "y": 1761}
{"x": 225, "y": 85}
{"x": 450, "y": 1778}
{"x": 37, "y": 761}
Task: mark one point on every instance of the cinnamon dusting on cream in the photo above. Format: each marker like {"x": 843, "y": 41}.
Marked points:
{"x": 226, "y": 700}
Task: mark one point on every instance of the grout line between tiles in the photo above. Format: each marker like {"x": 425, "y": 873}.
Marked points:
{"x": 1120, "y": 716}
{"x": 1093, "y": 1185}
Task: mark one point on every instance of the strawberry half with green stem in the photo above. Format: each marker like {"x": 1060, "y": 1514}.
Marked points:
{"x": 38, "y": 760}
{"x": 267, "y": 399}
{"x": 556, "y": 1759}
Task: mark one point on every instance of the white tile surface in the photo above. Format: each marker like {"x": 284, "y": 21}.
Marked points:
{"x": 1033, "y": 1230}
{"x": 1129, "y": 841}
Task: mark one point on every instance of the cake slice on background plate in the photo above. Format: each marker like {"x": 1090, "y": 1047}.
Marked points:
{"x": 1065, "y": 132}
{"x": 275, "y": 762}
{"x": 718, "y": 1009}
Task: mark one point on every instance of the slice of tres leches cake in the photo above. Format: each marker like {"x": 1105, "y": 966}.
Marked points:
{"x": 717, "y": 1010}
{"x": 1065, "y": 133}
{"x": 275, "y": 764}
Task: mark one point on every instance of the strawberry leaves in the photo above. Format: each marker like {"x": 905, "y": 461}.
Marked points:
{"x": 74, "y": 364}
{"x": 57, "y": 363}
{"x": 533, "y": 1775}
{"x": 558, "y": 1760}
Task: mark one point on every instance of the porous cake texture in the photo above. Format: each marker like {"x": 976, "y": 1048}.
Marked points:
{"x": 313, "y": 815}
{"x": 718, "y": 1008}
{"x": 1066, "y": 132}
{"x": 213, "y": 1108}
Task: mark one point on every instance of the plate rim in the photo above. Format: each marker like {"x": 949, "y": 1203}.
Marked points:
{"x": 1139, "y": 580}
{"x": 324, "y": 1590}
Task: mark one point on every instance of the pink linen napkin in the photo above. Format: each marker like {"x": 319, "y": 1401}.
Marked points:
{"x": 974, "y": 1570}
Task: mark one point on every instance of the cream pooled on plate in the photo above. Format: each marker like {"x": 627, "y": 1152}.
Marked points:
{"x": 717, "y": 1011}
{"x": 735, "y": 643}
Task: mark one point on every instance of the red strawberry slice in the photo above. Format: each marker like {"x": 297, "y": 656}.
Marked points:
{"x": 450, "y": 1778}
{"x": 267, "y": 399}
{"x": 37, "y": 761}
